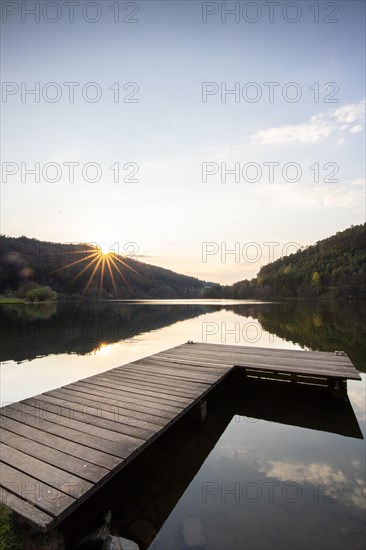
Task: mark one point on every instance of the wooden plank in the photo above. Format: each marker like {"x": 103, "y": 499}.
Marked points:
{"x": 291, "y": 368}
{"x": 208, "y": 369}
{"x": 301, "y": 369}
{"x": 42, "y": 495}
{"x": 225, "y": 357}
{"x": 180, "y": 396}
{"x": 144, "y": 375}
{"x": 109, "y": 405}
{"x": 260, "y": 350}
{"x": 192, "y": 367}
{"x": 336, "y": 366}
{"x": 294, "y": 364}
{"x": 163, "y": 411}
{"x": 92, "y": 457}
{"x": 102, "y": 382}
{"x": 289, "y": 377}
{"x": 63, "y": 429}
{"x": 224, "y": 350}
{"x": 40, "y": 470}
{"x": 213, "y": 360}
{"x": 81, "y": 468}
{"x": 158, "y": 386}
{"x": 157, "y": 403}
{"x": 123, "y": 423}
{"x": 183, "y": 371}
{"x": 231, "y": 357}
{"x": 38, "y": 519}
{"x": 90, "y": 423}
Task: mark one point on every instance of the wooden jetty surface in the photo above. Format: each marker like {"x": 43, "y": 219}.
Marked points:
{"x": 59, "y": 447}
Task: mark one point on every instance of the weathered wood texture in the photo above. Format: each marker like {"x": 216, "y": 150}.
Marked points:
{"x": 59, "y": 447}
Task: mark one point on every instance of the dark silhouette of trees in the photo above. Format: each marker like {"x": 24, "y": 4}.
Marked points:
{"x": 64, "y": 268}
{"x": 334, "y": 267}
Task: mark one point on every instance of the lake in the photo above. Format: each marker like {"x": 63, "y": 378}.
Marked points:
{"x": 269, "y": 468}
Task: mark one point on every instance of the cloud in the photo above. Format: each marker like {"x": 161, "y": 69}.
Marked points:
{"x": 356, "y": 129}
{"x": 302, "y": 133}
{"x": 315, "y": 472}
{"x": 318, "y": 128}
{"x": 350, "y": 113}
{"x": 350, "y": 489}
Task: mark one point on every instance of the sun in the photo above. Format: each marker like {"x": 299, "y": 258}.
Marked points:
{"x": 97, "y": 261}
{"x": 105, "y": 251}
{"x": 104, "y": 248}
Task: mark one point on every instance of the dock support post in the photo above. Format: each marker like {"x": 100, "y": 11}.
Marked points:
{"x": 203, "y": 411}
{"x": 198, "y": 414}
{"x": 338, "y": 388}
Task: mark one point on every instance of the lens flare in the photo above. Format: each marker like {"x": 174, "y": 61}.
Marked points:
{"x": 100, "y": 261}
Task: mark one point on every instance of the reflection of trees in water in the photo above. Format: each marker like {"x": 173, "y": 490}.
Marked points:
{"x": 28, "y": 331}
{"x": 324, "y": 326}
{"x": 29, "y": 312}
{"x": 32, "y": 331}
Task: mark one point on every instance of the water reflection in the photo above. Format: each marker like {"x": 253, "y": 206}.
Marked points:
{"x": 30, "y": 331}
{"x": 273, "y": 468}
{"x": 324, "y": 326}
{"x": 305, "y": 406}
{"x": 269, "y": 485}
{"x": 240, "y": 481}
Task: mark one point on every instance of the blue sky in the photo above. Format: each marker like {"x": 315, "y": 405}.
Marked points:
{"x": 169, "y": 133}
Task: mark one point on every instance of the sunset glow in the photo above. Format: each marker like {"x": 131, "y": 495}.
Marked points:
{"x": 99, "y": 263}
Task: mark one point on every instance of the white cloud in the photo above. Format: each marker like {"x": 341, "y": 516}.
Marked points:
{"x": 315, "y": 472}
{"x": 302, "y": 133}
{"x": 356, "y": 129}
{"x": 318, "y": 128}
{"x": 350, "y": 113}
{"x": 350, "y": 489}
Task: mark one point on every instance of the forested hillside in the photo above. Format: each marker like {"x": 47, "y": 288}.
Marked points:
{"x": 77, "y": 269}
{"x": 334, "y": 267}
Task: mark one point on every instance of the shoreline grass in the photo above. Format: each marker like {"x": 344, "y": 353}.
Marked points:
{"x": 11, "y": 300}
{"x": 10, "y": 538}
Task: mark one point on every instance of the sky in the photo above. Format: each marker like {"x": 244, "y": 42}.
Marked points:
{"x": 213, "y": 141}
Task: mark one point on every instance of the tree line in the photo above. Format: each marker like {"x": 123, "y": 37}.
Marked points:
{"x": 74, "y": 271}
{"x": 333, "y": 267}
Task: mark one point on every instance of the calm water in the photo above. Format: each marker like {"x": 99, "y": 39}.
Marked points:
{"x": 266, "y": 485}
{"x": 269, "y": 469}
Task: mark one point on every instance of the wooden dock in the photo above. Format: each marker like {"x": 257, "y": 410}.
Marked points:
{"x": 59, "y": 447}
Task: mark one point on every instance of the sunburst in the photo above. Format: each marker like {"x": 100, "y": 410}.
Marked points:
{"x": 99, "y": 261}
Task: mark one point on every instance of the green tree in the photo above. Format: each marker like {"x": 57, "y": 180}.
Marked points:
{"x": 41, "y": 294}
